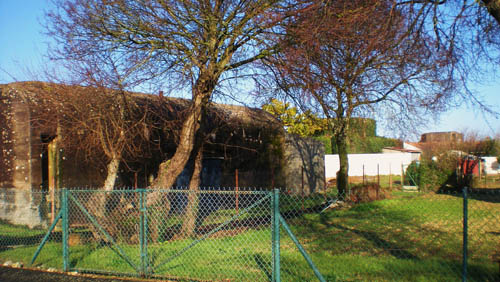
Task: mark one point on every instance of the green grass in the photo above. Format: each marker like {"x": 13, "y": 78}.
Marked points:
{"x": 409, "y": 237}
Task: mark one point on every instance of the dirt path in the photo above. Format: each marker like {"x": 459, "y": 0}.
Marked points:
{"x": 10, "y": 274}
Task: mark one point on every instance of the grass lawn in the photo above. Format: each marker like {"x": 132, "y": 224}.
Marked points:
{"x": 409, "y": 237}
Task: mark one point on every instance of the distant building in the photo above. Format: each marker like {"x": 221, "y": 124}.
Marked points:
{"x": 442, "y": 137}
{"x": 409, "y": 149}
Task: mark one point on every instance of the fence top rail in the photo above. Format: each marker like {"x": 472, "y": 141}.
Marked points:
{"x": 179, "y": 191}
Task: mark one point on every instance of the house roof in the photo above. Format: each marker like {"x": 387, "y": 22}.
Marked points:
{"x": 414, "y": 144}
{"x": 403, "y": 150}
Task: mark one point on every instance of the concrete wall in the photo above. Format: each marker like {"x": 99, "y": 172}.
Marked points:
{"x": 387, "y": 164}
{"x": 304, "y": 166}
{"x": 21, "y": 200}
{"x": 24, "y": 207}
{"x": 20, "y": 145}
{"x": 7, "y": 155}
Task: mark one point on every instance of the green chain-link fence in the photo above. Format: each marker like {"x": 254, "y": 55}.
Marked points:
{"x": 214, "y": 235}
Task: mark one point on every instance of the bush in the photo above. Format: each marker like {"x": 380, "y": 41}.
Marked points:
{"x": 432, "y": 175}
{"x": 412, "y": 174}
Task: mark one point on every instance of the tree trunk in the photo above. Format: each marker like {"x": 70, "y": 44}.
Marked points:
{"x": 113, "y": 166}
{"x": 342, "y": 174}
{"x": 189, "y": 223}
{"x": 102, "y": 201}
{"x": 170, "y": 169}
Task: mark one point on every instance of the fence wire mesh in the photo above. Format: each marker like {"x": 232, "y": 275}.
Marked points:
{"x": 25, "y": 218}
{"x": 214, "y": 235}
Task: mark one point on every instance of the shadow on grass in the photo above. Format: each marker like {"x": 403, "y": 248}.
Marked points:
{"x": 9, "y": 241}
{"x": 263, "y": 266}
{"x": 490, "y": 195}
{"x": 392, "y": 248}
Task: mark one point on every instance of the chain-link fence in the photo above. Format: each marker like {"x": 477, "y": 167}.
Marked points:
{"x": 214, "y": 235}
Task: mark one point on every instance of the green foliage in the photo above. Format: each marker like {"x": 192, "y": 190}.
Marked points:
{"x": 302, "y": 124}
{"x": 365, "y": 127}
{"x": 327, "y": 142}
{"x": 362, "y": 131}
{"x": 373, "y": 144}
{"x": 360, "y": 145}
{"x": 489, "y": 147}
{"x": 412, "y": 175}
{"x": 432, "y": 175}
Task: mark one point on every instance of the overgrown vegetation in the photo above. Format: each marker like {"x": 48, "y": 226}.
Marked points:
{"x": 358, "y": 144}
{"x": 362, "y": 136}
{"x": 452, "y": 165}
{"x": 432, "y": 175}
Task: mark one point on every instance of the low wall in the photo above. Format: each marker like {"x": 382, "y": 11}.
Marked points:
{"x": 23, "y": 207}
{"x": 386, "y": 164}
{"x": 304, "y": 165}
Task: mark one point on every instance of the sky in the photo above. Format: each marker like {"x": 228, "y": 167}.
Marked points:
{"x": 23, "y": 46}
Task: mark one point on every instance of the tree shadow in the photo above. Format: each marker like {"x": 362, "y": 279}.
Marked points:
{"x": 489, "y": 195}
{"x": 392, "y": 248}
{"x": 8, "y": 242}
{"x": 263, "y": 266}
{"x": 305, "y": 164}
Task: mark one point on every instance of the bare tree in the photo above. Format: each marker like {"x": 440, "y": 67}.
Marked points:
{"x": 176, "y": 43}
{"x": 363, "y": 58}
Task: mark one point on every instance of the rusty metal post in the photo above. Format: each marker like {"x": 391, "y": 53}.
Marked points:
{"x": 236, "y": 189}
{"x": 302, "y": 190}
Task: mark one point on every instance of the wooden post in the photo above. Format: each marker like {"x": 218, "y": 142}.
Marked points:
{"x": 378, "y": 174}
{"x": 52, "y": 167}
{"x": 52, "y": 205}
{"x": 390, "y": 177}
{"x": 272, "y": 177}
{"x": 378, "y": 179}
{"x": 402, "y": 176}
{"x": 485, "y": 176}
{"x": 479, "y": 169}
{"x": 236, "y": 189}
{"x": 326, "y": 187}
{"x": 363, "y": 174}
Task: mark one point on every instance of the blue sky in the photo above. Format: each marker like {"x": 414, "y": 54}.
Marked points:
{"x": 22, "y": 49}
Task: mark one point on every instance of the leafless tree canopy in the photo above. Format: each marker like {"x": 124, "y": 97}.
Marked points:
{"x": 398, "y": 59}
{"x": 169, "y": 41}
{"x": 401, "y": 60}
{"x": 194, "y": 44}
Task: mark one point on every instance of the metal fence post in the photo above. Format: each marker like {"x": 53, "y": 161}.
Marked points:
{"x": 65, "y": 229}
{"x": 143, "y": 236}
{"x": 465, "y": 227}
{"x": 276, "y": 236}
